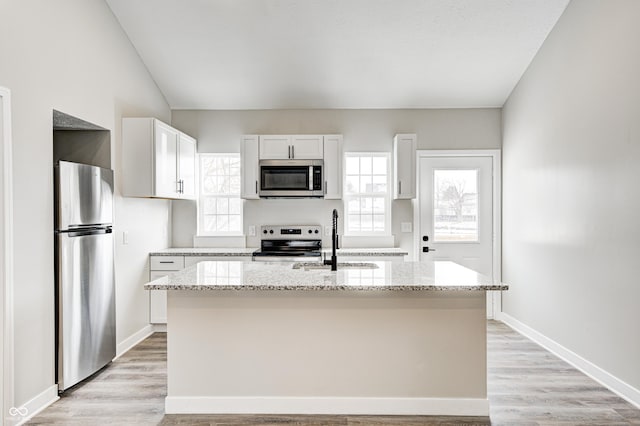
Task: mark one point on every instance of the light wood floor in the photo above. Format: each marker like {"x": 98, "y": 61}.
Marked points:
{"x": 527, "y": 386}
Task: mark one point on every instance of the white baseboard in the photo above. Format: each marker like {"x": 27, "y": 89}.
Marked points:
{"x": 36, "y": 404}
{"x": 341, "y": 406}
{"x": 601, "y": 376}
{"x": 137, "y": 337}
{"x": 159, "y": 328}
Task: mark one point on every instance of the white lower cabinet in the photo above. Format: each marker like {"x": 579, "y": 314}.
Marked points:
{"x": 159, "y": 266}
{"x": 157, "y": 300}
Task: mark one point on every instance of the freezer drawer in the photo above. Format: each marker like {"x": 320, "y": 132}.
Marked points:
{"x": 86, "y": 325}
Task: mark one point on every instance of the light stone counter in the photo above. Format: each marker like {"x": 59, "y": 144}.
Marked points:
{"x": 373, "y": 252}
{"x": 248, "y": 251}
{"x": 237, "y": 275}
{"x": 233, "y": 347}
{"x": 205, "y": 251}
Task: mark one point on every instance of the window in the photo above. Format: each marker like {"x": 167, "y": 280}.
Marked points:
{"x": 367, "y": 201}
{"x": 219, "y": 203}
{"x": 455, "y": 205}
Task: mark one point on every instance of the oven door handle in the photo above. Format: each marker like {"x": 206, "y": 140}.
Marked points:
{"x": 310, "y": 178}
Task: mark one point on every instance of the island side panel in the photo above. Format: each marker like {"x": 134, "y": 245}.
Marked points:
{"x": 277, "y": 346}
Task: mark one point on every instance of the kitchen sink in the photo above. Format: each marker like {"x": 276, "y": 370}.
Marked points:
{"x": 348, "y": 265}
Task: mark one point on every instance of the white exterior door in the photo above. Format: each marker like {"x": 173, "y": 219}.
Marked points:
{"x": 456, "y": 212}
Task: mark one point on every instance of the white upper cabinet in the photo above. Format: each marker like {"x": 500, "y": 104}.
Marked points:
{"x": 404, "y": 166}
{"x": 187, "y": 166}
{"x": 165, "y": 154}
{"x": 307, "y": 147}
{"x": 333, "y": 167}
{"x": 288, "y": 147}
{"x": 249, "y": 167}
{"x": 158, "y": 161}
{"x": 275, "y": 147}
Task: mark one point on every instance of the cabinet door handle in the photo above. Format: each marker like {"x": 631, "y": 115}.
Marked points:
{"x": 293, "y": 151}
{"x": 325, "y": 187}
{"x": 289, "y": 153}
{"x": 167, "y": 261}
{"x": 182, "y": 186}
{"x": 256, "y": 187}
{"x": 399, "y": 187}
{"x": 178, "y": 185}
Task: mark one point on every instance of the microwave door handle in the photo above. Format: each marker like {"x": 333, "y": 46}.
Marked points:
{"x": 310, "y": 178}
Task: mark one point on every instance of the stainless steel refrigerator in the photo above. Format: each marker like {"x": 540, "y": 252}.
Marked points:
{"x": 85, "y": 287}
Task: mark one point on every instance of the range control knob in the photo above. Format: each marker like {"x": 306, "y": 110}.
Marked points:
{"x": 271, "y": 231}
{"x": 264, "y": 232}
{"x": 310, "y": 231}
{"x": 316, "y": 231}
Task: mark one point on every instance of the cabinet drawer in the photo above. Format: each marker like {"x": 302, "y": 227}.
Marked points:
{"x": 166, "y": 263}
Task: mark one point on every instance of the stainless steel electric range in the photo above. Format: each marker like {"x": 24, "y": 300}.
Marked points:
{"x": 289, "y": 242}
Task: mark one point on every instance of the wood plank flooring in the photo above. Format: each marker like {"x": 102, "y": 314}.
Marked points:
{"x": 527, "y": 386}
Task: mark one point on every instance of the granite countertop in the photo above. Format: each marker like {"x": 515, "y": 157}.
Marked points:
{"x": 205, "y": 251}
{"x": 238, "y": 275}
{"x": 389, "y": 251}
{"x": 248, "y": 251}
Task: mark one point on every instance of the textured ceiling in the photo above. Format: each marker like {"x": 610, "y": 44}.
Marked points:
{"x": 268, "y": 54}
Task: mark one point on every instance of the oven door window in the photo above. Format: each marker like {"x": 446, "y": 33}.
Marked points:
{"x": 285, "y": 178}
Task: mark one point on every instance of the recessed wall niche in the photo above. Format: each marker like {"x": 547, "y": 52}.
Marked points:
{"x": 80, "y": 141}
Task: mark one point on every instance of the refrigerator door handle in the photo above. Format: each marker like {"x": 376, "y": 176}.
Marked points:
{"x": 89, "y": 231}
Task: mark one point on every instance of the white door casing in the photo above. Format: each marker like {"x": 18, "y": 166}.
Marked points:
{"x": 6, "y": 262}
{"x": 455, "y": 239}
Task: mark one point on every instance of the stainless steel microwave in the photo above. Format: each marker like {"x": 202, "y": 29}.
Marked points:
{"x": 291, "y": 178}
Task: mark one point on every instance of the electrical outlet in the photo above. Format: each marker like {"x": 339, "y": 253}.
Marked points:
{"x": 405, "y": 226}
{"x": 327, "y": 231}
{"x": 252, "y": 230}
{"x": 125, "y": 237}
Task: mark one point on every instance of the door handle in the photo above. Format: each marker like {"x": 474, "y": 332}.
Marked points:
{"x": 178, "y": 186}
{"x": 399, "y": 187}
{"x": 256, "y": 187}
{"x": 427, "y": 249}
{"x": 293, "y": 151}
{"x": 182, "y": 186}
{"x": 325, "y": 187}
{"x": 289, "y": 155}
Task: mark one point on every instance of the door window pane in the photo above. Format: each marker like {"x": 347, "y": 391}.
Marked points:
{"x": 455, "y": 205}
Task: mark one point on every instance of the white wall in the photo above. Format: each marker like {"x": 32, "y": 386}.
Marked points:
{"x": 363, "y": 130}
{"x": 72, "y": 56}
{"x": 571, "y": 234}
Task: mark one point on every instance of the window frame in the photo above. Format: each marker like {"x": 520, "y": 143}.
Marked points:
{"x": 349, "y": 196}
{"x": 200, "y": 232}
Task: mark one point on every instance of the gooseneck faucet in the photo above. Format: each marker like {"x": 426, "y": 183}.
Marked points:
{"x": 334, "y": 243}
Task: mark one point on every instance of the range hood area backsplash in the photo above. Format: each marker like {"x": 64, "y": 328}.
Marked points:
{"x": 305, "y": 211}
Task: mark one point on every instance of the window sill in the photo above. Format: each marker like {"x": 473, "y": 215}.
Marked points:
{"x": 367, "y": 241}
{"x": 226, "y": 240}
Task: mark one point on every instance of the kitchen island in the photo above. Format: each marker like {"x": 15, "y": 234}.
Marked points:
{"x": 371, "y": 338}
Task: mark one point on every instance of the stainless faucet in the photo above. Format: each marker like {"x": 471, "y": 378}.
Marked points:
{"x": 334, "y": 243}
